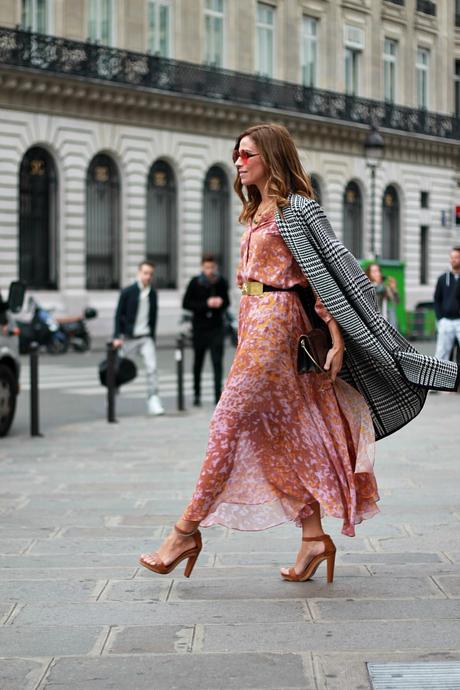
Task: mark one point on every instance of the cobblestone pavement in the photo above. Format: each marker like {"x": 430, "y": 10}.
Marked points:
{"x": 76, "y": 611}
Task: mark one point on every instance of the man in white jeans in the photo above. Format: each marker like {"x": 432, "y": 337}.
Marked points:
{"x": 447, "y": 307}
{"x": 135, "y": 324}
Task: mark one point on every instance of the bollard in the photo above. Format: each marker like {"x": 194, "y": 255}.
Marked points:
{"x": 179, "y": 354}
{"x": 34, "y": 396}
{"x": 111, "y": 360}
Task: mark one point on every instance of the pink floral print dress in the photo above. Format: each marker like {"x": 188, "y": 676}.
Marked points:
{"x": 280, "y": 441}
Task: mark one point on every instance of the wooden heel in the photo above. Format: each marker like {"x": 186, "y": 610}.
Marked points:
{"x": 190, "y": 565}
{"x": 330, "y": 567}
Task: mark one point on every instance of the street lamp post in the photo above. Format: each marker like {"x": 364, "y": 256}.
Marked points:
{"x": 373, "y": 148}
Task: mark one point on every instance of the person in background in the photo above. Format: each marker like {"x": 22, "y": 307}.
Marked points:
{"x": 135, "y": 325}
{"x": 386, "y": 292}
{"x": 447, "y": 307}
{"x": 207, "y": 297}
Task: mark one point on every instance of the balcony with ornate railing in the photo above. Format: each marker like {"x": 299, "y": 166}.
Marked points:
{"x": 70, "y": 59}
{"x": 427, "y": 7}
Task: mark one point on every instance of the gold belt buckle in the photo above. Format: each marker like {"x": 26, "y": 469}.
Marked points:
{"x": 252, "y": 288}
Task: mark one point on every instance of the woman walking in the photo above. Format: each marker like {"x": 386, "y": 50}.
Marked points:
{"x": 285, "y": 446}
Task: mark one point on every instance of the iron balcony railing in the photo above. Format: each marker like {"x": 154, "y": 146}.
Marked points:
{"x": 427, "y": 7}
{"x": 23, "y": 49}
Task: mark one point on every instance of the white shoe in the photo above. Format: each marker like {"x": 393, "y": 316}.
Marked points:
{"x": 154, "y": 405}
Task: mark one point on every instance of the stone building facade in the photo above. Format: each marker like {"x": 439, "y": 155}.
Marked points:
{"x": 118, "y": 118}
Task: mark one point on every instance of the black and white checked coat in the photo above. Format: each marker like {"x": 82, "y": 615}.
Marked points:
{"x": 391, "y": 375}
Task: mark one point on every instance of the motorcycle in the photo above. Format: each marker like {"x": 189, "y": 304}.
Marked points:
{"x": 43, "y": 329}
{"x": 74, "y": 328}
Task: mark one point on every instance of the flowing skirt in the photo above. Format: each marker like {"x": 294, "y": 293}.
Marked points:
{"x": 280, "y": 441}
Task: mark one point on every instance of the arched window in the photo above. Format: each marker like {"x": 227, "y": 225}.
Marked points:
{"x": 38, "y": 242}
{"x": 102, "y": 224}
{"x": 316, "y": 188}
{"x": 216, "y": 218}
{"x": 353, "y": 219}
{"x": 390, "y": 224}
{"x": 161, "y": 229}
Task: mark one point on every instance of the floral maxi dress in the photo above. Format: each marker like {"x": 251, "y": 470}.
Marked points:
{"x": 280, "y": 441}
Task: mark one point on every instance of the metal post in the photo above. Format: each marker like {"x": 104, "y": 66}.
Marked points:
{"x": 34, "y": 394}
{"x": 111, "y": 357}
{"x": 179, "y": 354}
{"x": 372, "y": 167}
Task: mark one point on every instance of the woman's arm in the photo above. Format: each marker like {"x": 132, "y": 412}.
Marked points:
{"x": 334, "y": 358}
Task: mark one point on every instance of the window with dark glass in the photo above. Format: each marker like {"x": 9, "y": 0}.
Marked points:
{"x": 38, "y": 240}
{"x": 216, "y": 210}
{"x": 390, "y": 224}
{"x": 424, "y": 277}
{"x": 161, "y": 231}
{"x": 316, "y": 187}
{"x": 353, "y": 219}
{"x": 102, "y": 224}
{"x": 457, "y": 88}
{"x": 424, "y": 200}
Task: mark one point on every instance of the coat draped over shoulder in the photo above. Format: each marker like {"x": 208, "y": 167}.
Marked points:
{"x": 379, "y": 362}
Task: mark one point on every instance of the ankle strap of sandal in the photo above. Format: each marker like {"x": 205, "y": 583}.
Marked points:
{"x": 183, "y": 533}
{"x": 321, "y": 537}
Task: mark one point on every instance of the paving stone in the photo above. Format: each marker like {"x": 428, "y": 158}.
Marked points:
{"x": 48, "y": 640}
{"x": 387, "y": 557}
{"x": 5, "y": 610}
{"x": 155, "y": 589}
{"x": 402, "y": 609}
{"x": 154, "y": 639}
{"x": 58, "y": 573}
{"x": 370, "y": 587}
{"x": 172, "y": 613}
{"x": 450, "y": 584}
{"x": 445, "y": 541}
{"x": 113, "y": 546}
{"x": 141, "y": 532}
{"x": 14, "y": 546}
{"x": 250, "y": 572}
{"x": 371, "y": 636}
{"x": 52, "y": 591}
{"x": 23, "y": 674}
{"x": 259, "y": 543}
{"x": 349, "y": 671}
{"x": 185, "y": 671}
{"x": 77, "y": 560}
{"x": 408, "y": 569}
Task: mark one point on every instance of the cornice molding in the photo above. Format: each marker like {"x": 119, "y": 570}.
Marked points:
{"x": 115, "y": 103}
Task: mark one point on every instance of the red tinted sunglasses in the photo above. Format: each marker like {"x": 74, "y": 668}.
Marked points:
{"x": 244, "y": 155}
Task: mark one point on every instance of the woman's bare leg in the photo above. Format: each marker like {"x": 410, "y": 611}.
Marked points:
{"x": 174, "y": 544}
{"x": 311, "y": 527}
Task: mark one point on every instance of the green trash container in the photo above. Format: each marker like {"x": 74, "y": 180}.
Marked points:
{"x": 395, "y": 269}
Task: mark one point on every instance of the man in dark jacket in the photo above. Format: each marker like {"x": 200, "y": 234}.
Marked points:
{"x": 207, "y": 297}
{"x": 447, "y": 307}
{"x": 135, "y": 325}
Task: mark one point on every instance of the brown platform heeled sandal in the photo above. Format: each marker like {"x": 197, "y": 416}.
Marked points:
{"x": 312, "y": 566}
{"x": 191, "y": 554}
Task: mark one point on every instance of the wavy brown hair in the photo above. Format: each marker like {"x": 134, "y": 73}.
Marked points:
{"x": 285, "y": 172}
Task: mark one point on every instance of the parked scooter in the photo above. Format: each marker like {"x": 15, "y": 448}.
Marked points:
{"x": 43, "y": 329}
{"x": 74, "y": 328}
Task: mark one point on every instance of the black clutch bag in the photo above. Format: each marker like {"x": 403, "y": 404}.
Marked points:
{"x": 312, "y": 351}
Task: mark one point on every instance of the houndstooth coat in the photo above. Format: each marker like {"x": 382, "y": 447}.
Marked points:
{"x": 391, "y": 375}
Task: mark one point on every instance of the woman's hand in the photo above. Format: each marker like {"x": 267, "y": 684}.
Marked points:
{"x": 334, "y": 361}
